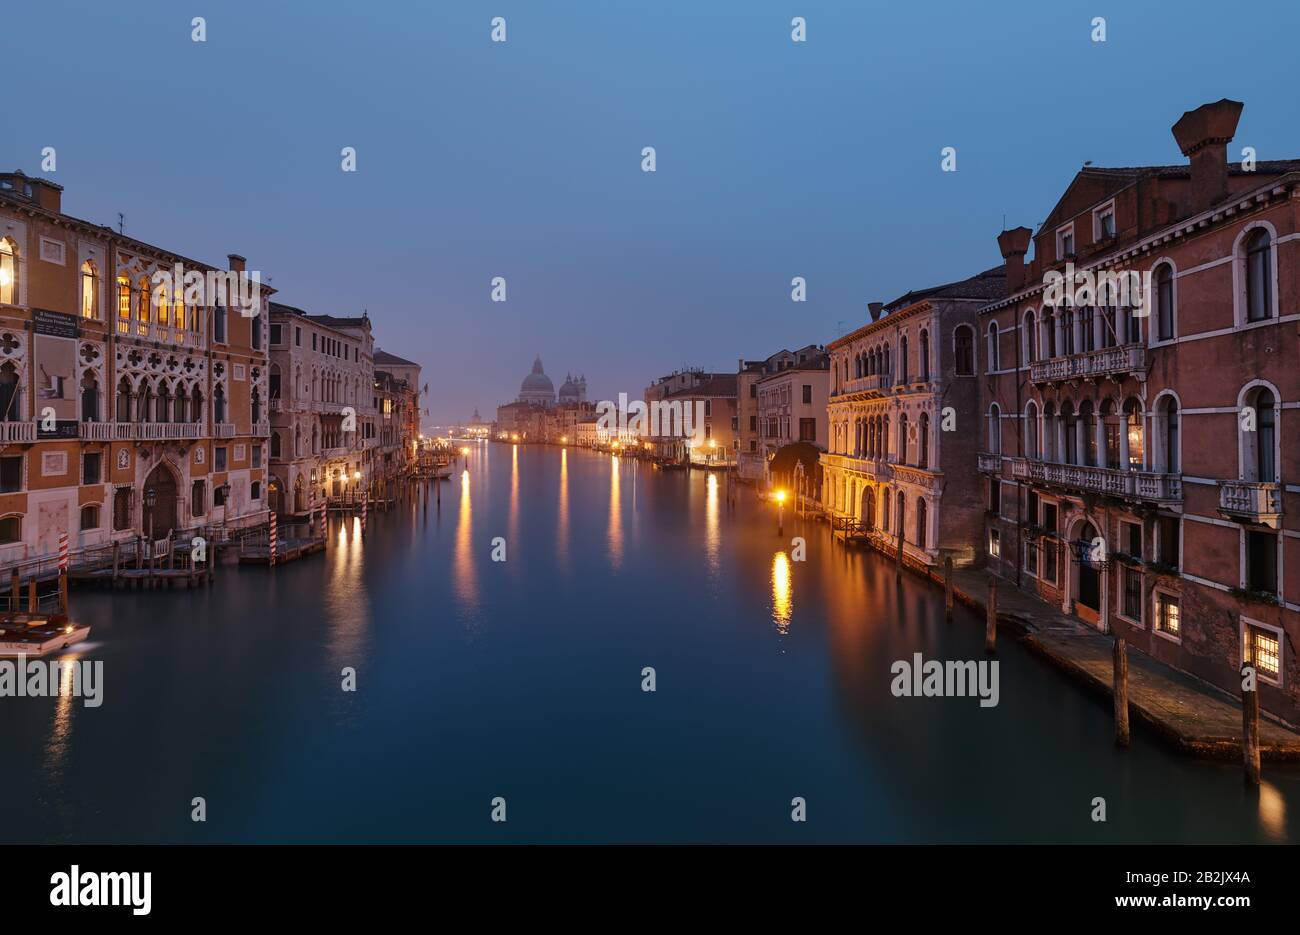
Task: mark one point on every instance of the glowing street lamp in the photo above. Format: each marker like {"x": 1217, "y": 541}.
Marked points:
{"x": 780, "y": 512}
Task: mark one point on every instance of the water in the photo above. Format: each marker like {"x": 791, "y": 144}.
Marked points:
{"x": 522, "y": 679}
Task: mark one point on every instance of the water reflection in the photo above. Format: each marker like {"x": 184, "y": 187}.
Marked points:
{"x": 782, "y": 592}
{"x": 514, "y": 494}
{"x": 1272, "y": 811}
{"x": 56, "y": 748}
{"x": 712, "y": 532}
{"x": 346, "y": 602}
{"x": 464, "y": 581}
{"x": 615, "y": 516}
{"x": 562, "y": 521}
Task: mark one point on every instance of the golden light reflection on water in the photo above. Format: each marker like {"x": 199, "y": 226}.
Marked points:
{"x": 514, "y": 494}
{"x": 782, "y": 592}
{"x": 57, "y": 746}
{"x": 615, "y": 515}
{"x": 345, "y": 599}
{"x": 562, "y": 531}
{"x": 464, "y": 581}
{"x": 1272, "y": 811}
{"x": 712, "y": 530}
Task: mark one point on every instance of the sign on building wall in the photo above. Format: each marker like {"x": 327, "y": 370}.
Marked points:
{"x": 54, "y": 347}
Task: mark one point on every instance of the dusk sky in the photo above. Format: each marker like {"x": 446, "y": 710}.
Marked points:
{"x": 523, "y": 159}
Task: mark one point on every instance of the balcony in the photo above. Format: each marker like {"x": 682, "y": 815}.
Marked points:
{"x": 99, "y": 431}
{"x": 1109, "y": 361}
{"x": 875, "y": 383}
{"x": 261, "y": 429}
{"x": 988, "y": 463}
{"x": 276, "y": 404}
{"x": 223, "y": 430}
{"x": 17, "y": 431}
{"x": 1128, "y": 485}
{"x": 159, "y": 431}
{"x": 924, "y": 478}
{"x": 1251, "y": 501}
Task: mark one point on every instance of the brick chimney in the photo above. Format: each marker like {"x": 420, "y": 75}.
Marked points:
{"x": 1203, "y": 136}
{"x": 48, "y": 195}
{"x": 874, "y": 308}
{"x": 236, "y": 262}
{"x": 1014, "y": 244}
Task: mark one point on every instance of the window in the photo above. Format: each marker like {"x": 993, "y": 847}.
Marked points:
{"x": 11, "y": 474}
{"x": 1049, "y": 543}
{"x": 122, "y": 508}
{"x": 1131, "y": 606}
{"x": 197, "y": 507}
{"x": 11, "y": 529}
{"x": 1259, "y": 275}
{"x": 807, "y": 430}
{"x": 276, "y": 337}
{"x": 923, "y": 440}
{"x": 257, "y": 456}
{"x": 963, "y": 345}
{"x": 1261, "y": 562}
{"x": 1104, "y": 219}
{"x": 313, "y": 342}
{"x": 902, "y": 361}
{"x": 1065, "y": 242}
{"x": 11, "y": 409}
{"x": 995, "y": 543}
{"x": 256, "y": 489}
{"x": 1131, "y": 537}
{"x": 219, "y": 496}
{"x": 1167, "y": 619}
{"x": 1167, "y": 536}
{"x": 8, "y": 272}
{"x": 255, "y": 324}
{"x": 1259, "y": 447}
{"x": 807, "y": 393}
{"x": 90, "y": 516}
{"x": 1262, "y": 648}
{"x": 925, "y": 355}
{"x": 994, "y": 352}
{"x": 219, "y": 325}
{"x": 91, "y": 467}
{"x": 219, "y": 459}
{"x": 995, "y": 429}
{"x": 1164, "y": 302}
{"x": 89, "y": 290}
{"x": 297, "y": 337}
{"x": 921, "y": 521}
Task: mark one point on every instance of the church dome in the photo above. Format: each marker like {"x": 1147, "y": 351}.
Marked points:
{"x": 537, "y": 386}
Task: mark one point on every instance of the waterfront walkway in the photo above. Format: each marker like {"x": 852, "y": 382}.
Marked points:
{"x": 1194, "y": 716}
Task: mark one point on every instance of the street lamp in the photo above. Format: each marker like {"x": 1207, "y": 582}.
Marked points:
{"x": 780, "y": 512}
{"x": 150, "y": 500}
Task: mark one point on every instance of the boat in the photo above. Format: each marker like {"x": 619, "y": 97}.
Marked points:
{"x": 442, "y": 471}
{"x": 38, "y": 634}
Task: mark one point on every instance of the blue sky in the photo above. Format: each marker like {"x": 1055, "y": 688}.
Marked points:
{"x": 522, "y": 159}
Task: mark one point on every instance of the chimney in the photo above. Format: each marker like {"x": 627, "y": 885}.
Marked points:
{"x": 48, "y": 195}
{"x": 875, "y": 308}
{"x": 1203, "y": 136}
{"x": 236, "y": 262}
{"x": 1014, "y": 244}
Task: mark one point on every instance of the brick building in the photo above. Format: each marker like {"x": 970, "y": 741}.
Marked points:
{"x": 891, "y": 468}
{"x": 1140, "y": 457}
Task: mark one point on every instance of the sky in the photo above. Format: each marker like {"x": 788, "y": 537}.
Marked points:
{"x": 477, "y": 159}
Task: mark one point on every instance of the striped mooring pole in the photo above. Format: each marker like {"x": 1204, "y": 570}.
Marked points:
{"x": 363, "y": 513}
{"x": 63, "y": 551}
{"x": 274, "y": 538}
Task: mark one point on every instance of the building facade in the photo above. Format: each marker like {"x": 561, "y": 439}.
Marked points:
{"x": 896, "y": 383}
{"x": 1139, "y": 455}
{"x": 791, "y": 403}
{"x": 127, "y": 408}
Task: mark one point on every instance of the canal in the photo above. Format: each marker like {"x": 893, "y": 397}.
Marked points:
{"x": 522, "y": 679}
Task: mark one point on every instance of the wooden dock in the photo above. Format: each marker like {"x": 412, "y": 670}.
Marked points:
{"x": 286, "y": 550}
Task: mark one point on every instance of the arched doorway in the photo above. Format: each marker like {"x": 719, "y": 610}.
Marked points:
{"x": 1087, "y": 595}
{"x": 160, "y": 519}
{"x": 868, "y": 508}
{"x": 276, "y": 494}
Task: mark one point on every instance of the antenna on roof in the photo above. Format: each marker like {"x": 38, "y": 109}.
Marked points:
{"x": 121, "y": 222}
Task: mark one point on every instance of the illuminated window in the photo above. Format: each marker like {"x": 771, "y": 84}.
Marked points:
{"x": 8, "y": 272}
{"x": 123, "y": 298}
{"x": 1167, "y": 618}
{"x": 1263, "y": 650}
{"x": 89, "y": 290}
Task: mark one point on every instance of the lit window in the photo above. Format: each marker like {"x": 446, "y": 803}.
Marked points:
{"x": 1263, "y": 650}
{"x": 8, "y": 272}
{"x": 89, "y": 290}
{"x": 1167, "y": 619}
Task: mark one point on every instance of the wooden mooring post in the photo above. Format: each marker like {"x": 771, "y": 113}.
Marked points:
{"x": 947, "y": 586}
{"x": 1121, "y": 693}
{"x": 33, "y": 602}
{"x": 1250, "y": 725}
{"x": 63, "y": 591}
{"x": 991, "y": 619}
{"x": 898, "y": 556}
{"x": 15, "y": 591}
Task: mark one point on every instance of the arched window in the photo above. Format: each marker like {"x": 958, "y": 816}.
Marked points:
{"x": 1031, "y": 339}
{"x": 89, "y": 290}
{"x": 1167, "y": 458}
{"x": 900, "y": 513}
{"x": 925, "y": 356}
{"x": 902, "y": 438}
{"x": 1088, "y": 419}
{"x": 11, "y": 409}
{"x": 275, "y": 445}
{"x": 196, "y": 405}
{"x": 144, "y": 404}
{"x": 1087, "y": 334}
{"x": 1164, "y": 300}
{"x": 1111, "y": 427}
{"x": 884, "y": 509}
{"x": 1134, "y": 436}
{"x": 995, "y": 429}
{"x": 1048, "y": 446}
{"x": 8, "y": 272}
{"x": 181, "y": 405}
{"x": 902, "y": 359}
{"x": 164, "y": 407}
{"x": 923, "y": 441}
{"x": 1070, "y": 423}
{"x": 963, "y": 346}
{"x": 124, "y": 400}
{"x": 921, "y": 520}
{"x": 1031, "y": 430}
{"x": 1067, "y": 343}
{"x": 89, "y": 398}
{"x": 144, "y": 299}
{"x": 1259, "y": 275}
{"x": 994, "y": 353}
{"x": 1048, "y": 329}
{"x": 219, "y": 404}
{"x": 11, "y": 528}
{"x": 1259, "y": 448}
{"x": 123, "y": 302}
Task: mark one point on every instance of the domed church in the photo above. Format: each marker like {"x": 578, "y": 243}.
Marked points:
{"x": 573, "y": 390}
{"x": 537, "y": 388}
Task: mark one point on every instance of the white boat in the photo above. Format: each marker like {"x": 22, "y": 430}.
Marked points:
{"x": 36, "y": 636}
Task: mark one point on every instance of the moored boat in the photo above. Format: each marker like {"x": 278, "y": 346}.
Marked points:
{"x": 38, "y": 634}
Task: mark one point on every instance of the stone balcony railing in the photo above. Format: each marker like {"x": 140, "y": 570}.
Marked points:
{"x": 875, "y": 383}
{"x": 223, "y": 430}
{"x": 156, "y": 431}
{"x": 1108, "y": 361}
{"x": 921, "y": 477}
{"x": 276, "y": 404}
{"x": 988, "y": 463}
{"x": 1128, "y": 485}
{"x": 261, "y": 429}
{"x": 17, "y": 431}
{"x": 1251, "y": 501}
